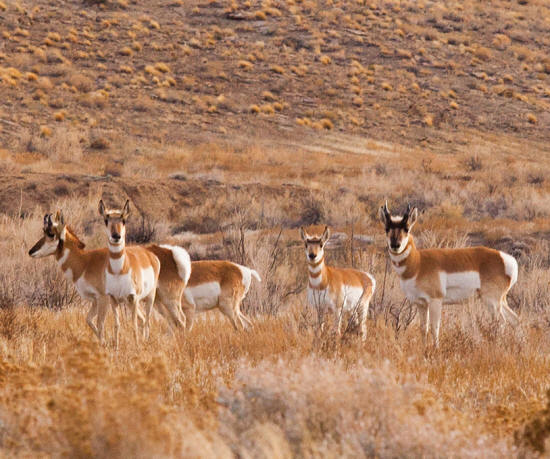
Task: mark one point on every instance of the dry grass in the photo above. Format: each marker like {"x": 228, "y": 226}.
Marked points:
{"x": 251, "y": 121}
{"x": 284, "y": 387}
{"x": 279, "y": 389}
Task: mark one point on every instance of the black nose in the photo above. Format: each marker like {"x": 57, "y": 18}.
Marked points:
{"x": 394, "y": 246}
{"x": 311, "y": 256}
{"x": 116, "y": 236}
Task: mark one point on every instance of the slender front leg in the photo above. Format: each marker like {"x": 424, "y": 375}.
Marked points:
{"x": 435, "y": 319}
{"x": 102, "y": 308}
{"x": 423, "y": 314}
{"x": 148, "y": 301}
{"x": 117, "y": 322}
{"x": 92, "y": 313}
{"x": 133, "y": 303}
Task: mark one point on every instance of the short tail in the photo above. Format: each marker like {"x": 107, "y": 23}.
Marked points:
{"x": 255, "y": 275}
{"x": 373, "y": 281}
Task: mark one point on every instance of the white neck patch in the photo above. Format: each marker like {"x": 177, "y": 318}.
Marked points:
{"x": 116, "y": 248}
{"x": 64, "y": 257}
{"x": 316, "y": 269}
{"x": 117, "y": 264}
{"x": 400, "y": 256}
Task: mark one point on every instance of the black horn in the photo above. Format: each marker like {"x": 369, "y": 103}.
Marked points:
{"x": 407, "y": 212}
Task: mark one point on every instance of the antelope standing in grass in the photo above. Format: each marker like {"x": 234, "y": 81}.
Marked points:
{"x": 433, "y": 277}
{"x": 218, "y": 284}
{"x": 132, "y": 273}
{"x": 173, "y": 271}
{"x": 338, "y": 290}
{"x": 85, "y": 268}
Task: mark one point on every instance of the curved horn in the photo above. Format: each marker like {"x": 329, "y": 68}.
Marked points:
{"x": 407, "y": 212}
{"x": 386, "y": 210}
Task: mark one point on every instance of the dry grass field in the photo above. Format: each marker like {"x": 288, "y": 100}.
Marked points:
{"x": 228, "y": 124}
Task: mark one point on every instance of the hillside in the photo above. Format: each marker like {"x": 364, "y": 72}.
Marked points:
{"x": 114, "y": 75}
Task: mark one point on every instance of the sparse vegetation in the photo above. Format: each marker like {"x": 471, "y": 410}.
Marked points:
{"x": 251, "y": 120}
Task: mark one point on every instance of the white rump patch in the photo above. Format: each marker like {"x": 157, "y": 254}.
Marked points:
{"x": 203, "y": 296}
{"x": 352, "y": 295}
{"x": 182, "y": 260}
{"x": 247, "y": 274}
{"x": 86, "y": 290}
{"x": 459, "y": 286}
{"x": 373, "y": 280}
{"x": 510, "y": 267}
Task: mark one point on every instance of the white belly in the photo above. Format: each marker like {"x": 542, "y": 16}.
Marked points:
{"x": 459, "y": 286}
{"x": 203, "y": 296}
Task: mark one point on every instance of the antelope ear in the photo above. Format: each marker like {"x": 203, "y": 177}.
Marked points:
{"x": 326, "y": 236}
{"x": 126, "y": 210}
{"x": 412, "y": 218}
{"x": 303, "y": 234}
{"x": 59, "y": 218}
{"x": 101, "y": 208}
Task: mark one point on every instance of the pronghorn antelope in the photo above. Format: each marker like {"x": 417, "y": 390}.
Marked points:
{"x": 85, "y": 268}
{"x": 220, "y": 284}
{"x": 175, "y": 265}
{"x": 338, "y": 290}
{"x": 433, "y": 277}
{"x": 132, "y": 273}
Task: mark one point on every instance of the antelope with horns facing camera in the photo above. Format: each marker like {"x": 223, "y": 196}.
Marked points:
{"x": 433, "y": 277}
{"x": 335, "y": 289}
{"x": 132, "y": 273}
{"x": 173, "y": 274}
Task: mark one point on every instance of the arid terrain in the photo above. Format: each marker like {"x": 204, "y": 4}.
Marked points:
{"x": 228, "y": 125}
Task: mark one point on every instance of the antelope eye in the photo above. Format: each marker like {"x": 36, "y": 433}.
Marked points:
{"x": 106, "y": 222}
